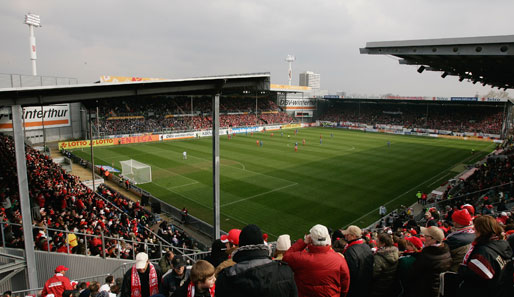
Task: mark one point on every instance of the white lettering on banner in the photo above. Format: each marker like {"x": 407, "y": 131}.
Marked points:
{"x": 297, "y": 102}
{"x": 179, "y": 135}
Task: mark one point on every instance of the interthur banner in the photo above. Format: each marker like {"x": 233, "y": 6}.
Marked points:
{"x": 51, "y": 116}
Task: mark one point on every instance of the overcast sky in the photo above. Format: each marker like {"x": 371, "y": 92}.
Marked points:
{"x": 177, "y": 39}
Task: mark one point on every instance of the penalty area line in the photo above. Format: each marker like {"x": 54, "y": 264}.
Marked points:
{"x": 260, "y": 194}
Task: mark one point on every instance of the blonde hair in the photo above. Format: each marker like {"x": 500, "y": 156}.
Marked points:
{"x": 201, "y": 271}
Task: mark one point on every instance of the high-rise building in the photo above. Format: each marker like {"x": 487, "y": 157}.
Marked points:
{"x": 310, "y": 79}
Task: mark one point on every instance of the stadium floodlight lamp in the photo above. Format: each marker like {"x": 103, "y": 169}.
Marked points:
{"x": 444, "y": 74}
{"x": 421, "y": 69}
{"x": 32, "y": 19}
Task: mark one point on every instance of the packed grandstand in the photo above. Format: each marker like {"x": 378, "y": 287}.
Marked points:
{"x": 400, "y": 255}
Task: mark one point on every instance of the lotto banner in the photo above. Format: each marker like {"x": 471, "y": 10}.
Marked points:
{"x": 106, "y": 142}
{"x": 291, "y": 126}
{"x": 51, "y": 116}
{"x": 69, "y": 145}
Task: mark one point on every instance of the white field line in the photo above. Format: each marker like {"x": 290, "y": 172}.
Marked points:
{"x": 170, "y": 171}
{"x": 273, "y": 177}
{"x": 243, "y": 169}
{"x": 257, "y": 195}
{"x": 184, "y": 185}
{"x": 442, "y": 173}
{"x": 210, "y": 207}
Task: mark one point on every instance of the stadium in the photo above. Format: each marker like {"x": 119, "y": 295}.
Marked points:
{"x": 95, "y": 174}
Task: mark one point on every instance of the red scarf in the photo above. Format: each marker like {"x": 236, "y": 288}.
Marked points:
{"x": 191, "y": 290}
{"x": 466, "y": 257}
{"x": 358, "y": 241}
{"x": 136, "y": 282}
{"x": 467, "y": 229}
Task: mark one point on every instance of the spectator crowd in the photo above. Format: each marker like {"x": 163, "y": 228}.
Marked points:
{"x": 126, "y": 116}
{"x": 69, "y": 217}
{"x": 477, "y": 119}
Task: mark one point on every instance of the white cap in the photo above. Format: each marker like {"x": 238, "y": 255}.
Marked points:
{"x": 283, "y": 242}
{"x": 319, "y": 235}
{"x": 141, "y": 260}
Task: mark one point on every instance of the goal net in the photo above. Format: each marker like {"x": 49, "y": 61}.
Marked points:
{"x": 136, "y": 172}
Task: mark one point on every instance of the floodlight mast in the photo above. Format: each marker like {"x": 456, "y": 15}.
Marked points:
{"x": 290, "y": 59}
{"x": 33, "y": 21}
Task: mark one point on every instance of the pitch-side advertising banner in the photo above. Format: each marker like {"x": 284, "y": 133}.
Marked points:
{"x": 68, "y": 145}
{"x": 53, "y": 116}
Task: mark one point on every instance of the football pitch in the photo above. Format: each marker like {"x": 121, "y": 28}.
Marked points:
{"x": 340, "y": 181}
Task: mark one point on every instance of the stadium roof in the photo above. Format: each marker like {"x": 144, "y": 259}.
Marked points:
{"x": 44, "y": 95}
{"x": 487, "y": 60}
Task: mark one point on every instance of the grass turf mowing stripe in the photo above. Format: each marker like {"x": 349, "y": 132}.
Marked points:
{"x": 336, "y": 182}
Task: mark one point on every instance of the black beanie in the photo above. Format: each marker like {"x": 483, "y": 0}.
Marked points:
{"x": 250, "y": 235}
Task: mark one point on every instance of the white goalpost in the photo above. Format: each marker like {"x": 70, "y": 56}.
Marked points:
{"x": 136, "y": 172}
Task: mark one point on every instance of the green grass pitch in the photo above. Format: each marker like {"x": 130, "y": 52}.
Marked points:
{"x": 341, "y": 181}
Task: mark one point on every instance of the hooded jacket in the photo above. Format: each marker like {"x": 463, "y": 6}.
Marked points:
{"x": 459, "y": 242}
{"x": 483, "y": 273}
{"x": 255, "y": 274}
{"x": 385, "y": 281}
{"x": 318, "y": 270}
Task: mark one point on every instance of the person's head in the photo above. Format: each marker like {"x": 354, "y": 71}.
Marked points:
{"x": 7, "y": 294}
{"x": 202, "y": 275}
{"x": 82, "y": 286}
{"x": 485, "y": 228}
{"x": 179, "y": 265}
{"x": 250, "y": 235}
{"x": 461, "y": 218}
{"x": 283, "y": 243}
{"x": 433, "y": 235}
{"x": 169, "y": 255}
{"x": 115, "y": 289}
{"x": 339, "y": 244}
{"x": 141, "y": 262}
{"x": 469, "y": 208}
{"x": 320, "y": 236}
{"x": 94, "y": 286}
{"x": 384, "y": 240}
{"x": 61, "y": 269}
{"x": 233, "y": 237}
{"x": 119, "y": 281}
{"x": 352, "y": 232}
{"x": 413, "y": 243}
{"x": 109, "y": 279}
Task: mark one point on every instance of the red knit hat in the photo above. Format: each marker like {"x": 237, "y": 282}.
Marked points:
{"x": 233, "y": 236}
{"x": 462, "y": 217}
{"x": 469, "y": 207}
{"x": 415, "y": 241}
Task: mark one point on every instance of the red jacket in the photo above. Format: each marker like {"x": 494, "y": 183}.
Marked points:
{"x": 56, "y": 285}
{"x": 318, "y": 270}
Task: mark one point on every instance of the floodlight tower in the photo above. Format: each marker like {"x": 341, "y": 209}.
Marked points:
{"x": 33, "y": 21}
{"x": 290, "y": 59}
